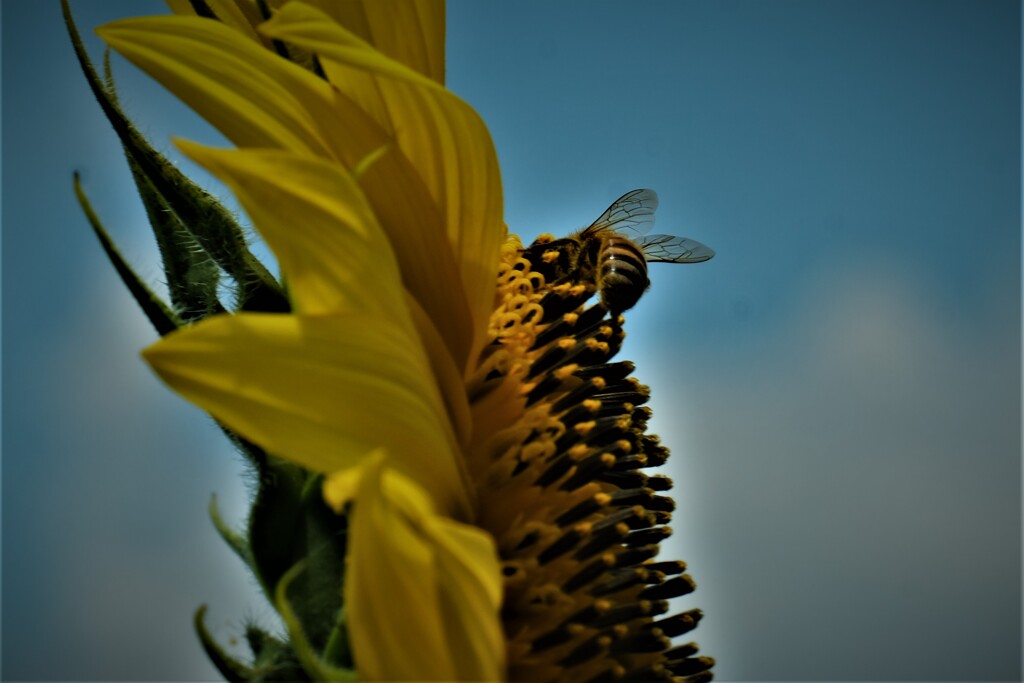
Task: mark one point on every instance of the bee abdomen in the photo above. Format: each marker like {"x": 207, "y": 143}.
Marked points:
{"x": 623, "y": 274}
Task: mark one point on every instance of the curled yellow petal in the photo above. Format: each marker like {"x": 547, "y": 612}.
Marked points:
{"x": 316, "y": 219}
{"x": 471, "y": 590}
{"x": 423, "y": 592}
{"x": 333, "y": 252}
{"x": 321, "y": 391}
{"x": 252, "y": 96}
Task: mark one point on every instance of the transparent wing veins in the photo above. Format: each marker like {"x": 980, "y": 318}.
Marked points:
{"x": 632, "y": 215}
{"x": 672, "y": 249}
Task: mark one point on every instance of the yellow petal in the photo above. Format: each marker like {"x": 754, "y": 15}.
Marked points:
{"x": 409, "y": 31}
{"x": 320, "y": 391}
{"x": 181, "y": 7}
{"x": 442, "y": 136}
{"x": 429, "y": 267}
{"x": 333, "y": 253}
{"x": 343, "y": 486}
{"x": 316, "y": 219}
{"x": 422, "y": 591}
{"x": 446, "y": 372}
{"x": 252, "y": 96}
{"x": 257, "y": 99}
{"x": 471, "y": 592}
{"x": 316, "y": 29}
{"x": 241, "y": 15}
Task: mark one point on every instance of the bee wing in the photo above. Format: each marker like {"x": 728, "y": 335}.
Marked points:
{"x": 672, "y": 249}
{"x": 631, "y": 215}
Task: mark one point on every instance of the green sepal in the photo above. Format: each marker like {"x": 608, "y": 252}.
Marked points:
{"x": 275, "y": 661}
{"x": 273, "y": 520}
{"x": 289, "y": 524}
{"x": 208, "y": 221}
{"x": 192, "y": 275}
{"x": 255, "y": 455}
{"x": 159, "y": 313}
{"x": 230, "y": 668}
{"x": 234, "y": 540}
{"x": 316, "y": 667}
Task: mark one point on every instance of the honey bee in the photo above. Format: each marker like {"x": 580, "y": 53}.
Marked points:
{"x": 613, "y": 252}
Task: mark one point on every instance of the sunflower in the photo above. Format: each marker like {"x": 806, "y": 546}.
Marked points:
{"x": 451, "y": 468}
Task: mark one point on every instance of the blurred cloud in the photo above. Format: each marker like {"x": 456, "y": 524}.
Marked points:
{"x": 859, "y": 476}
{"x": 122, "y": 541}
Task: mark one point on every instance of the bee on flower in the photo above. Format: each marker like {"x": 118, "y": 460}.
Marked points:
{"x": 612, "y": 253}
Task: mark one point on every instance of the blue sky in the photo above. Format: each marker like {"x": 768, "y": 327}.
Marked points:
{"x": 840, "y": 386}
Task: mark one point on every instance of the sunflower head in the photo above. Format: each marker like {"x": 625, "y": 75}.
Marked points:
{"x": 454, "y": 475}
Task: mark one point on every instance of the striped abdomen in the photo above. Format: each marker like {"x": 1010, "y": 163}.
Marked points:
{"x": 621, "y": 274}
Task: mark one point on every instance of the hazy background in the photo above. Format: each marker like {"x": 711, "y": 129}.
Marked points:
{"x": 840, "y": 385}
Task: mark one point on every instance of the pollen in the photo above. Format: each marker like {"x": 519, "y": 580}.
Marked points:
{"x": 561, "y": 486}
